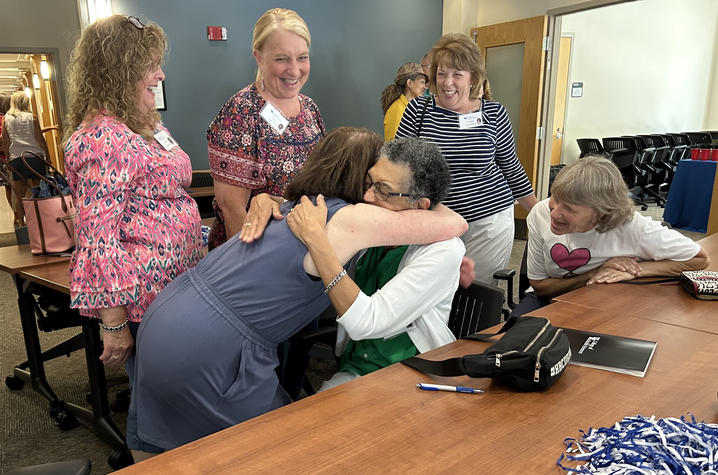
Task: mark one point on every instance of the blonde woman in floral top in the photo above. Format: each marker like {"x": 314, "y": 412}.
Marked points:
{"x": 263, "y": 134}
{"x": 137, "y": 228}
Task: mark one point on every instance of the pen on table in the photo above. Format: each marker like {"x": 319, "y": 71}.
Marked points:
{"x": 441, "y": 387}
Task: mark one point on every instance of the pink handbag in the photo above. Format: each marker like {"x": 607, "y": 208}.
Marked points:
{"x": 51, "y": 220}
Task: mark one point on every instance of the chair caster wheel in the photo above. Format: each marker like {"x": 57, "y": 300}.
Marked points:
{"x": 56, "y": 407}
{"x": 14, "y": 383}
{"x": 120, "y": 459}
{"x": 66, "y": 420}
{"x": 644, "y": 207}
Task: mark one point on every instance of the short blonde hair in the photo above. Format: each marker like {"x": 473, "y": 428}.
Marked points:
{"x": 19, "y": 102}
{"x": 459, "y": 52}
{"x": 595, "y": 182}
{"x": 275, "y": 19}
{"x": 108, "y": 60}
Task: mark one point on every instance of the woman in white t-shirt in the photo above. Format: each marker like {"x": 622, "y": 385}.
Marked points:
{"x": 21, "y": 134}
{"x": 588, "y": 233}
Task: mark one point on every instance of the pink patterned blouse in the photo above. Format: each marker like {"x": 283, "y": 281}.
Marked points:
{"x": 137, "y": 228}
{"x": 245, "y": 151}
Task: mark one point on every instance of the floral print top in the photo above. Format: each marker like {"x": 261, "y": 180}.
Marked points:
{"x": 137, "y": 228}
{"x": 245, "y": 151}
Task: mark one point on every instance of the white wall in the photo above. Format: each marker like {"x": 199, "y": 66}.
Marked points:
{"x": 462, "y": 15}
{"x": 712, "y": 105}
{"x": 646, "y": 67}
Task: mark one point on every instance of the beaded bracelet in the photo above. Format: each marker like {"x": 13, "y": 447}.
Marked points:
{"x": 114, "y": 329}
{"x": 335, "y": 280}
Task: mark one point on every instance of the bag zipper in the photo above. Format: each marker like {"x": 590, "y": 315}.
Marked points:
{"x": 538, "y": 335}
{"x": 498, "y": 356}
{"x": 537, "y": 368}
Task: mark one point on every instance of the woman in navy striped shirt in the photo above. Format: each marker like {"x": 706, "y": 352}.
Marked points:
{"x": 474, "y": 134}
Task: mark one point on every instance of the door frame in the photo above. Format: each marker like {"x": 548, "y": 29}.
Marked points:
{"x": 543, "y": 166}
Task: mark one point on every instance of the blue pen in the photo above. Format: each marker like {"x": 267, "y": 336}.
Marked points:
{"x": 441, "y": 387}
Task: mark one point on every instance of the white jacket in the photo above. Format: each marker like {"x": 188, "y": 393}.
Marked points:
{"x": 416, "y": 301}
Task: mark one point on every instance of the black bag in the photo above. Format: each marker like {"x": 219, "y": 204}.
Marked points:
{"x": 529, "y": 357}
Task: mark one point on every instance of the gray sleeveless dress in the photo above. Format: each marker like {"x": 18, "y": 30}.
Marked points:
{"x": 206, "y": 347}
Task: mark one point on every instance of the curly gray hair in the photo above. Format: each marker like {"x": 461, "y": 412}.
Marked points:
{"x": 430, "y": 177}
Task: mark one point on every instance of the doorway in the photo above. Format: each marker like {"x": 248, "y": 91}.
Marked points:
{"x": 34, "y": 73}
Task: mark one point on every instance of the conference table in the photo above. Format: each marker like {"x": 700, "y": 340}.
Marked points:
{"x": 382, "y": 423}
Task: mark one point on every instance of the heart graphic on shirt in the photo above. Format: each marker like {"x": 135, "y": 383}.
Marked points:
{"x": 570, "y": 260}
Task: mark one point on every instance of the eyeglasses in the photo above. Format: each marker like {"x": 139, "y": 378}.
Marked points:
{"x": 381, "y": 190}
{"x": 136, "y": 22}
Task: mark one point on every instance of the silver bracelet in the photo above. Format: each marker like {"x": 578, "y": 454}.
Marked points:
{"x": 119, "y": 327}
{"x": 335, "y": 280}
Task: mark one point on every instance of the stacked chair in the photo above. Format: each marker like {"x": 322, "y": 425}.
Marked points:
{"x": 590, "y": 147}
{"x": 624, "y": 154}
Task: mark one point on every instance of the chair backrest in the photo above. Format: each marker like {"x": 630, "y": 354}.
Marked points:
{"x": 475, "y": 309}
{"x": 698, "y": 138}
{"x": 619, "y": 145}
{"x": 589, "y": 146}
{"x": 201, "y": 178}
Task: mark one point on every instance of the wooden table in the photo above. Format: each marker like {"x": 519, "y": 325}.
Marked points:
{"x": 13, "y": 260}
{"x": 53, "y": 273}
{"x": 381, "y": 423}
{"x": 666, "y": 303}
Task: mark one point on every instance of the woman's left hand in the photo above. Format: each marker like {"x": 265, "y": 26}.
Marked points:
{"x": 607, "y": 275}
{"x": 306, "y": 219}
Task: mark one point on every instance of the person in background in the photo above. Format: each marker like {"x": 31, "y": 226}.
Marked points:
{"x": 475, "y": 136}
{"x": 4, "y": 106}
{"x": 264, "y": 133}
{"x": 21, "y": 133}
{"x": 409, "y": 83}
{"x": 588, "y": 233}
{"x": 426, "y": 69}
{"x": 207, "y": 346}
{"x": 137, "y": 227}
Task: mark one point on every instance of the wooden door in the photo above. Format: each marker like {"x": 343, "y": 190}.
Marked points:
{"x": 557, "y": 131}
{"x": 515, "y": 50}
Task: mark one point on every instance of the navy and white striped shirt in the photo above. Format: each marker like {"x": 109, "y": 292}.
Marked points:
{"x": 486, "y": 175}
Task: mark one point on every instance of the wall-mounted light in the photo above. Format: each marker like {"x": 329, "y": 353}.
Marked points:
{"x": 44, "y": 69}
{"x": 28, "y": 91}
{"x": 35, "y": 81}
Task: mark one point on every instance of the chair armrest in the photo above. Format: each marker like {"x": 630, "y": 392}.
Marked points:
{"x": 508, "y": 276}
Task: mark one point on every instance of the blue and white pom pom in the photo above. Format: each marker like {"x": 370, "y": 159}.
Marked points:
{"x": 638, "y": 445}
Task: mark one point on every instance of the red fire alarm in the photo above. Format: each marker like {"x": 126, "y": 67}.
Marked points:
{"x": 217, "y": 33}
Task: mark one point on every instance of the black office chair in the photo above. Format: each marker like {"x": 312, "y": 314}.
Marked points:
{"x": 650, "y": 159}
{"x": 475, "y": 308}
{"x": 681, "y": 140}
{"x": 589, "y": 147}
{"x": 699, "y": 139}
{"x": 714, "y": 136}
{"x": 625, "y": 156}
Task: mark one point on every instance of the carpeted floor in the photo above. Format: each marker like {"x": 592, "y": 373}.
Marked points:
{"x": 28, "y": 435}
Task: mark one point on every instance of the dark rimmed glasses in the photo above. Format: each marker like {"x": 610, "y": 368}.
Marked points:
{"x": 136, "y": 22}
{"x": 381, "y": 190}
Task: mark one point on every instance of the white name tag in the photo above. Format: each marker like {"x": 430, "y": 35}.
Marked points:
{"x": 165, "y": 139}
{"x": 469, "y": 121}
{"x": 274, "y": 118}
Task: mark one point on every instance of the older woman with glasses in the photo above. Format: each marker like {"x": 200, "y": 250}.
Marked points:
{"x": 207, "y": 346}
{"x": 137, "y": 228}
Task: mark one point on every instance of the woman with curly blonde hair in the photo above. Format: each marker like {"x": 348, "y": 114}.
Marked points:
{"x": 137, "y": 228}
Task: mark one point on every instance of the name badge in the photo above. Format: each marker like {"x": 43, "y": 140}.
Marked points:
{"x": 165, "y": 139}
{"x": 274, "y": 118}
{"x": 469, "y": 121}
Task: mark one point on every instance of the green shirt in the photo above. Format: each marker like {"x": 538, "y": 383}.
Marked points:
{"x": 377, "y": 267}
